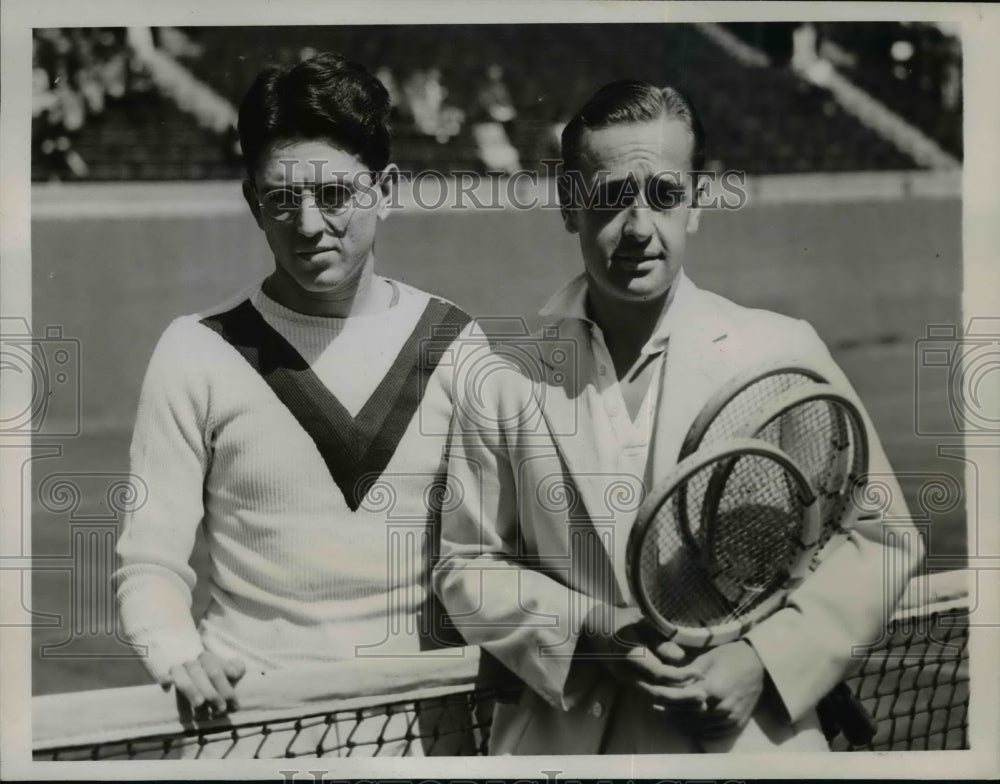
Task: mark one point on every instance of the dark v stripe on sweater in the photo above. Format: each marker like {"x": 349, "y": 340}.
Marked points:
{"x": 356, "y": 450}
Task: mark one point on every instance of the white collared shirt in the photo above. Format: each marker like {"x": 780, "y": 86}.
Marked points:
{"x": 633, "y": 437}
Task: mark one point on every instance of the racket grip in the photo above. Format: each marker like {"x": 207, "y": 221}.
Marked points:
{"x": 840, "y": 709}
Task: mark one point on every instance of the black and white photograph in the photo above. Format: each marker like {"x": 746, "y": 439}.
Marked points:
{"x": 554, "y": 391}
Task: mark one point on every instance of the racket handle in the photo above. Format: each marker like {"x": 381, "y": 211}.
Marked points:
{"x": 840, "y": 709}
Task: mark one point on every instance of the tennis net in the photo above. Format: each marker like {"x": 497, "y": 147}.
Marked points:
{"x": 914, "y": 682}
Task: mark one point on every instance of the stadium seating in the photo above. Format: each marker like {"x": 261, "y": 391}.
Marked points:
{"x": 760, "y": 120}
{"x": 151, "y": 139}
{"x": 916, "y": 88}
{"x": 923, "y": 85}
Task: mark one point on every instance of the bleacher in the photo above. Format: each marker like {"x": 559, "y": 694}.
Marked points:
{"x": 924, "y": 87}
{"x": 914, "y": 88}
{"x": 758, "y": 119}
{"x": 151, "y": 139}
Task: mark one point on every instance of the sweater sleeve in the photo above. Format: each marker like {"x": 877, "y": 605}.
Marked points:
{"x": 154, "y": 581}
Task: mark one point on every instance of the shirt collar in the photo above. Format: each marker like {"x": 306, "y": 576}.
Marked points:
{"x": 570, "y": 302}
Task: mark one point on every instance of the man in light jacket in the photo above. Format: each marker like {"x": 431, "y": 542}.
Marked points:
{"x": 550, "y": 459}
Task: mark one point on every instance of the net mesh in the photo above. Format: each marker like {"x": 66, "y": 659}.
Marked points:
{"x": 914, "y": 682}
{"x": 448, "y": 725}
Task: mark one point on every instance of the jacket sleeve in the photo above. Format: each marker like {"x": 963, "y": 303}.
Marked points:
{"x": 154, "y": 581}
{"x": 807, "y": 647}
{"x": 485, "y": 575}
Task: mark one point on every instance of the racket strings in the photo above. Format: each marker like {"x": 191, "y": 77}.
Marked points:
{"x": 712, "y": 551}
{"x": 810, "y": 433}
{"x": 751, "y": 399}
{"x": 737, "y": 559}
{"x": 823, "y": 439}
{"x": 671, "y": 576}
{"x": 753, "y": 529}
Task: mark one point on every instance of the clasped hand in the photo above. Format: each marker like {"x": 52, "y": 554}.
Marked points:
{"x": 716, "y": 690}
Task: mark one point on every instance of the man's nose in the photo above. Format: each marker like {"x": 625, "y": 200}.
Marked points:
{"x": 309, "y": 220}
{"x": 638, "y": 222}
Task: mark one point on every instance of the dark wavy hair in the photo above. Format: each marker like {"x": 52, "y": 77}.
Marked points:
{"x": 629, "y": 101}
{"x": 324, "y": 97}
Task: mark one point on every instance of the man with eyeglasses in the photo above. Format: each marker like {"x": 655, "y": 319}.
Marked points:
{"x": 295, "y": 421}
{"x": 532, "y": 564}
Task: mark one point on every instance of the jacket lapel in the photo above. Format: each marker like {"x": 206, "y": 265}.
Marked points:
{"x": 697, "y": 363}
{"x": 572, "y": 409}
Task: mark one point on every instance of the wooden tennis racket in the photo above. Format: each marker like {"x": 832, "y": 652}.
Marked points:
{"x": 822, "y": 429}
{"x": 722, "y": 542}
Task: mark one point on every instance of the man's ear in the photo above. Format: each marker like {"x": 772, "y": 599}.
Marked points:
{"x": 564, "y": 192}
{"x": 701, "y": 196}
{"x": 250, "y": 194}
{"x": 386, "y": 186}
{"x": 694, "y": 218}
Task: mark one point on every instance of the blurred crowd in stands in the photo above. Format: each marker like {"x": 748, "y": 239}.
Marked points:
{"x": 477, "y": 101}
{"x": 76, "y": 73}
{"x": 421, "y": 101}
{"x": 914, "y": 68}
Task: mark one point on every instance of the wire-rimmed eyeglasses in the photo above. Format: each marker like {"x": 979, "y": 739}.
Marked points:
{"x": 332, "y": 198}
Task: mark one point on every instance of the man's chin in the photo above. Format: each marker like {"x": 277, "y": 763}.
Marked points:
{"x": 329, "y": 289}
{"x": 322, "y": 286}
{"x": 642, "y": 289}
{"x": 326, "y": 280}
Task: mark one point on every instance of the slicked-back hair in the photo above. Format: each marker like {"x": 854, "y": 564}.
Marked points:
{"x": 625, "y": 102}
{"x": 325, "y": 97}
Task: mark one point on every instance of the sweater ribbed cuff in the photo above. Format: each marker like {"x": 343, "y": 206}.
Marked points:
{"x": 165, "y": 650}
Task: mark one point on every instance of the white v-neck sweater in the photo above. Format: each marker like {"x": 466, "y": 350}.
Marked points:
{"x": 296, "y": 576}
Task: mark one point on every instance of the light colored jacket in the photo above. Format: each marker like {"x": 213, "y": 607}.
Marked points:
{"x": 535, "y": 535}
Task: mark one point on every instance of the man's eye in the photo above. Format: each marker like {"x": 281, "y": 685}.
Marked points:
{"x": 281, "y": 199}
{"x": 665, "y": 195}
{"x": 334, "y": 196}
{"x": 615, "y": 196}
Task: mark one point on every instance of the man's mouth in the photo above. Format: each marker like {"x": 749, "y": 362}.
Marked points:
{"x": 636, "y": 259}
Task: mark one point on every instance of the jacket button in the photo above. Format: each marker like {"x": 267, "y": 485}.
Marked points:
{"x": 596, "y": 710}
